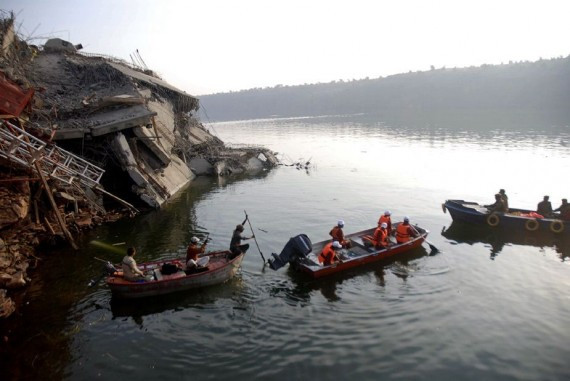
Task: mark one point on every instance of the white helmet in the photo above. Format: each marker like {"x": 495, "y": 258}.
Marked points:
{"x": 336, "y": 245}
{"x": 194, "y": 240}
{"x": 384, "y": 225}
{"x": 387, "y": 213}
{"x": 340, "y": 223}
{"x": 406, "y": 219}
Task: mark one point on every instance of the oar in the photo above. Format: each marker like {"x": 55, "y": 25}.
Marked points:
{"x": 255, "y": 239}
{"x": 431, "y": 245}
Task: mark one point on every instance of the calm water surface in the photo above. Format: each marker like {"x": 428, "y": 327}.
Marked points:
{"x": 488, "y": 306}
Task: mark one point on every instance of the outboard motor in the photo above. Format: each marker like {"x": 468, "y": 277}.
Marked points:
{"x": 297, "y": 247}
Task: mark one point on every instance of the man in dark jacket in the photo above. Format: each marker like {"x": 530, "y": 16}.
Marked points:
{"x": 235, "y": 245}
{"x": 498, "y": 205}
{"x": 544, "y": 207}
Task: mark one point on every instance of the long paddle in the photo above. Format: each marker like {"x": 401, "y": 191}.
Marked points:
{"x": 255, "y": 239}
{"x": 431, "y": 245}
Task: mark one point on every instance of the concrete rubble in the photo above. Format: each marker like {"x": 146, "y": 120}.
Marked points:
{"x": 122, "y": 118}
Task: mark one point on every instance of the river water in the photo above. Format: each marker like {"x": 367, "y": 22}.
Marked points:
{"x": 486, "y": 306}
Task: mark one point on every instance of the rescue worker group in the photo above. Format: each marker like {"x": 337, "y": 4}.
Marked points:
{"x": 379, "y": 240}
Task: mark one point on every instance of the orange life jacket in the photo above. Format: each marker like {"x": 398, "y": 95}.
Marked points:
{"x": 328, "y": 254}
{"x": 381, "y": 237}
{"x": 387, "y": 220}
{"x": 337, "y": 234}
{"x": 403, "y": 233}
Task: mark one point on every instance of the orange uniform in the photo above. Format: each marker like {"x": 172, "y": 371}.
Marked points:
{"x": 380, "y": 237}
{"x": 194, "y": 250}
{"x": 387, "y": 220}
{"x": 338, "y": 235}
{"x": 328, "y": 255}
{"x": 403, "y": 233}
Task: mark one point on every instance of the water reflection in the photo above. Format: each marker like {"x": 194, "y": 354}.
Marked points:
{"x": 200, "y": 298}
{"x": 497, "y": 238}
{"x": 303, "y": 286}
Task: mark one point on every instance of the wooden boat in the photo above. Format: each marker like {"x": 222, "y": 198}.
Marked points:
{"x": 302, "y": 255}
{"x": 515, "y": 219}
{"x": 219, "y": 269}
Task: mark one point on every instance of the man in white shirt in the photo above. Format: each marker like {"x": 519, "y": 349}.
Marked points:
{"x": 130, "y": 270}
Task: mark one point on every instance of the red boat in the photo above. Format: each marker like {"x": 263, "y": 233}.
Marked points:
{"x": 219, "y": 268}
{"x": 302, "y": 255}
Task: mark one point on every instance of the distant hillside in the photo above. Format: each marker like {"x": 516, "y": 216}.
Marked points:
{"x": 542, "y": 86}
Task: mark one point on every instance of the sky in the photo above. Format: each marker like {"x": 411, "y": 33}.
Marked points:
{"x": 213, "y": 46}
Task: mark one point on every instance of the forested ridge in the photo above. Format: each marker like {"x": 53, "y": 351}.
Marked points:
{"x": 542, "y": 86}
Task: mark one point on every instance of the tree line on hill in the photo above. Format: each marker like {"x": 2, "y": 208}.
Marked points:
{"x": 542, "y": 86}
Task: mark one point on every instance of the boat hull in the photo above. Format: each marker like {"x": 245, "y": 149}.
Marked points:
{"x": 221, "y": 270}
{"x": 473, "y": 213}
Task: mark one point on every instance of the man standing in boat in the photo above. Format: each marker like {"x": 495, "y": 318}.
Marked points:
{"x": 544, "y": 208}
{"x": 235, "y": 245}
{"x": 564, "y": 210}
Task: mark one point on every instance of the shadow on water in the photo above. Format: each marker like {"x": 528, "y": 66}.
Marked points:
{"x": 497, "y": 238}
{"x": 303, "y": 285}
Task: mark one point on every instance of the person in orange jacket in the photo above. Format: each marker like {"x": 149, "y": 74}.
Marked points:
{"x": 338, "y": 235}
{"x": 381, "y": 236}
{"x": 386, "y": 218}
{"x": 404, "y": 231}
{"x": 329, "y": 256}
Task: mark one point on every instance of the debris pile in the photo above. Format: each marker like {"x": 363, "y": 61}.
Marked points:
{"x": 88, "y": 138}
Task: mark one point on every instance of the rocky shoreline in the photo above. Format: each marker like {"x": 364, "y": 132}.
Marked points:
{"x": 87, "y": 139}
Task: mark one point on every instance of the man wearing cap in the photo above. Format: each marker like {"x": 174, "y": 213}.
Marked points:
{"x": 385, "y": 218}
{"x": 193, "y": 251}
{"x": 235, "y": 245}
{"x": 329, "y": 254}
{"x": 404, "y": 231}
{"x": 338, "y": 235}
{"x": 544, "y": 208}
{"x": 564, "y": 210}
{"x": 381, "y": 236}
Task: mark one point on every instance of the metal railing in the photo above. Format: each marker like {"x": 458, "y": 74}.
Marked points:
{"x": 23, "y": 148}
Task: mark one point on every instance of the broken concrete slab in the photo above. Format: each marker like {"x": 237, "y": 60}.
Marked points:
{"x": 201, "y": 166}
{"x": 149, "y": 138}
{"x": 254, "y": 164}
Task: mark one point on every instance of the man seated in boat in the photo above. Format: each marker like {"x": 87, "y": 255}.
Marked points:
{"x": 380, "y": 237}
{"x": 130, "y": 270}
{"x": 405, "y": 231}
{"x": 505, "y": 198}
{"x": 338, "y": 235}
{"x": 498, "y": 206}
{"x": 329, "y": 254}
{"x": 385, "y": 218}
{"x": 544, "y": 208}
{"x": 192, "y": 253}
{"x": 235, "y": 245}
{"x": 564, "y": 210}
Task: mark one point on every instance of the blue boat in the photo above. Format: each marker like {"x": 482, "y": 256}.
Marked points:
{"x": 514, "y": 220}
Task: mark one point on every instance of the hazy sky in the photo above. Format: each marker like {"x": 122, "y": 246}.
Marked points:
{"x": 212, "y": 46}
